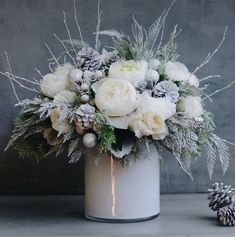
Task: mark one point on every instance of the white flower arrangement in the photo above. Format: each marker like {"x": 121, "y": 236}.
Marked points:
{"x": 138, "y": 90}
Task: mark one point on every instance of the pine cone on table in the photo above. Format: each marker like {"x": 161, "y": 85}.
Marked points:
{"x": 226, "y": 215}
{"x": 220, "y": 196}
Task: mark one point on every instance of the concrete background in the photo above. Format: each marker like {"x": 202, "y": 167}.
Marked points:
{"x": 25, "y": 24}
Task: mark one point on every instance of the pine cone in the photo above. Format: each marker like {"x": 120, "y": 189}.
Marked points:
{"x": 226, "y": 215}
{"x": 220, "y": 196}
{"x": 142, "y": 86}
{"x": 88, "y": 59}
{"x": 166, "y": 89}
{"x": 84, "y": 116}
{"x": 107, "y": 58}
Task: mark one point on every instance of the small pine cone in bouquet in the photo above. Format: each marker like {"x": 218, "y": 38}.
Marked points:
{"x": 84, "y": 116}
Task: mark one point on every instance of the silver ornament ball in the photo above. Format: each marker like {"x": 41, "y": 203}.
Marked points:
{"x": 84, "y": 98}
{"x": 75, "y": 75}
{"x": 98, "y": 74}
{"x": 154, "y": 64}
{"x": 84, "y": 87}
{"x": 88, "y": 75}
{"x": 89, "y": 140}
{"x": 152, "y": 75}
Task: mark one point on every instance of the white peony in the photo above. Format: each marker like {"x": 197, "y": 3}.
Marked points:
{"x": 115, "y": 97}
{"x": 65, "y": 96}
{"x": 149, "y": 119}
{"x": 131, "y": 71}
{"x": 192, "y": 106}
{"x": 177, "y": 71}
{"x": 57, "y": 81}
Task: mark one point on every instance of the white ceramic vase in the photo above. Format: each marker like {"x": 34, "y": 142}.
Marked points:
{"x": 117, "y": 194}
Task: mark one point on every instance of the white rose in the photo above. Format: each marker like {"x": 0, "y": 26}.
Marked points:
{"x": 177, "y": 71}
{"x": 116, "y": 97}
{"x": 65, "y": 96}
{"x": 149, "y": 119}
{"x": 57, "y": 81}
{"x": 192, "y": 106}
{"x": 131, "y": 71}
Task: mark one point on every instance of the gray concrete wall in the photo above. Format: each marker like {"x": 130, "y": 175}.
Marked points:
{"x": 25, "y": 24}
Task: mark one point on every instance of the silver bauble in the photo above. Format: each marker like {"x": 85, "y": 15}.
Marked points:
{"x": 84, "y": 98}
{"x": 152, "y": 75}
{"x": 98, "y": 74}
{"x": 88, "y": 75}
{"x": 84, "y": 87}
{"x": 75, "y": 75}
{"x": 154, "y": 64}
{"x": 89, "y": 140}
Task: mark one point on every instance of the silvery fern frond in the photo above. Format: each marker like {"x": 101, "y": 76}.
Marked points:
{"x": 112, "y": 33}
{"x": 182, "y": 140}
{"x": 216, "y": 148}
{"x": 75, "y": 150}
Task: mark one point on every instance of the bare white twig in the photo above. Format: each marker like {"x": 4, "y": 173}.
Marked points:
{"x": 36, "y": 80}
{"x": 219, "y": 90}
{"x": 207, "y": 96}
{"x": 65, "y": 58}
{"x": 76, "y": 20}
{"x": 20, "y": 78}
{"x": 10, "y": 78}
{"x": 97, "y": 42}
{"x": 53, "y": 56}
{"x": 69, "y": 34}
{"x": 38, "y": 71}
{"x": 210, "y": 76}
{"x": 66, "y": 49}
{"x": 210, "y": 55}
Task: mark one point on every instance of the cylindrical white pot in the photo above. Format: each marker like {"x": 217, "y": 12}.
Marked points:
{"x": 117, "y": 194}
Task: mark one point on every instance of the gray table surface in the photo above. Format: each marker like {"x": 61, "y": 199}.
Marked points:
{"x": 181, "y": 215}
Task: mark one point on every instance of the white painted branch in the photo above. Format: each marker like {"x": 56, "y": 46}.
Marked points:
{"x": 210, "y": 76}
{"x": 53, "y": 56}
{"x": 219, "y": 90}
{"x": 68, "y": 32}
{"x": 66, "y": 49}
{"x": 8, "y": 75}
{"x": 10, "y": 78}
{"x": 210, "y": 55}
{"x": 97, "y": 42}
{"x": 76, "y": 20}
{"x": 21, "y": 78}
{"x": 207, "y": 96}
{"x": 38, "y": 71}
